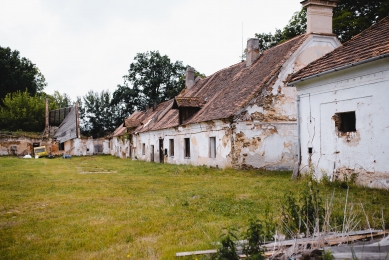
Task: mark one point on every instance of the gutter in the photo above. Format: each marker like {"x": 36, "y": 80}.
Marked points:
{"x": 291, "y": 84}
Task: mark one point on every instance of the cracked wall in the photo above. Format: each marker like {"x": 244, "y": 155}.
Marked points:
{"x": 339, "y": 151}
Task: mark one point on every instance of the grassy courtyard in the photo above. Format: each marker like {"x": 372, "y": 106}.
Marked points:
{"x": 108, "y": 208}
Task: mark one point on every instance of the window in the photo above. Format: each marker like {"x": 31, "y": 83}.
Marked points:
{"x": 345, "y": 122}
{"x": 61, "y": 146}
{"x": 171, "y": 147}
{"x": 212, "y": 147}
{"x": 143, "y": 148}
{"x": 152, "y": 153}
{"x": 187, "y": 147}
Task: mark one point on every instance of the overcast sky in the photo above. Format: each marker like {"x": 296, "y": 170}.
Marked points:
{"x": 88, "y": 45}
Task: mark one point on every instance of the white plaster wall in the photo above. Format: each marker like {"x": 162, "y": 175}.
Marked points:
{"x": 199, "y": 135}
{"x": 266, "y": 136}
{"x": 266, "y": 145}
{"x": 365, "y": 90}
{"x": 120, "y": 147}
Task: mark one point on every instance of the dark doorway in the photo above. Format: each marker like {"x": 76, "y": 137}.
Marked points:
{"x": 161, "y": 156}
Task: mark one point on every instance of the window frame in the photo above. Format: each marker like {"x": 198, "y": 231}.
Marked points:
{"x": 212, "y": 147}
{"x": 171, "y": 147}
{"x": 187, "y": 148}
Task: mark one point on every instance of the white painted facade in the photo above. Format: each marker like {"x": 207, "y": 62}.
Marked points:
{"x": 199, "y": 141}
{"x": 363, "y": 89}
{"x": 120, "y": 147}
{"x": 266, "y": 135}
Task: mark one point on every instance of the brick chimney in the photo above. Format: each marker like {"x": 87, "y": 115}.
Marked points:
{"x": 252, "y": 51}
{"x": 319, "y": 15}
{"x": 189, "y": 80}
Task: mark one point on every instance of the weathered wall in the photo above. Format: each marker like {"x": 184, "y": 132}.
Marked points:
{"x": 77, "y": 146}
{"x": 20, "y": 146}
{"x": 265, "y": 133}
{"x": 362, "y": 153}
{"x": 199, "y": 135}
{"x": 120, "y": 147}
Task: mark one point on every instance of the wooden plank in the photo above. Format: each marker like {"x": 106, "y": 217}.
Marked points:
{"x": 201, "y": 252}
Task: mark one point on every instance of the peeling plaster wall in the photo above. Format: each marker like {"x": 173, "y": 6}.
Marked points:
{"x": 265, "y": 133}
{"x": 120, "y": 147}
{"x": 362, "y": 154}
{"x": 76, "y": 146}
{"x": 20, "y": 146}
{"x": 199, "y": 135}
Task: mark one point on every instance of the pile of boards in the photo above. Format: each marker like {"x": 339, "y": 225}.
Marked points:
{"x": 366, "y": 244}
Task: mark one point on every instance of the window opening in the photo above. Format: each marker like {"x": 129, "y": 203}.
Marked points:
{"x": 345, "y": 122}
{"x": 143, "y": 148}
{"x": 187, "y": 147}
{"x": 152, "y": 153}
{"x": 212, "y": 147}
{"x": 171, "y": 147}
{"x": 61, "y": 146}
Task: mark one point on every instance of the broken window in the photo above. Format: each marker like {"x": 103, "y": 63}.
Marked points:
{"x": 187, "y": 147}
{"x": 171, "y": 147}
{"x": 345, "y": 122}
{"x": 212, "y": 147}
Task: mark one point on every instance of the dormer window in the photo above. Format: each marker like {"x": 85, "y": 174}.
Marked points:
{"x": 187, "y": 107}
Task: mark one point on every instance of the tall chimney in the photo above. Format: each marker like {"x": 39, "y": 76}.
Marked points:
{"x": 252, "y": 51}
{"x": 319, "y": 15}
{"x": 189, "y": 80}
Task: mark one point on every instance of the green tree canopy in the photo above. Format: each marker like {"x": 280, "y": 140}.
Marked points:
{"x": 18, "y": 74}
{"x": 62, "y": 100}
{"x": 99, "y": 117}
{"x": 350, "y": 17}
{"x": 21, "y": 111}
{"x": 152, "y": 78}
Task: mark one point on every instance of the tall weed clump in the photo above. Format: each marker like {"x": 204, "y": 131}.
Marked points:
{"x": 304, "y": 213}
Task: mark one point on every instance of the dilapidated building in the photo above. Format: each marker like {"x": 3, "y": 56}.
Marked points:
{"x": 343, "y": 110}
{"x": 243, "y": 116}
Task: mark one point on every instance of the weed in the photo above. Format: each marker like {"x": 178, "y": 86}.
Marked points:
{"x": 227, "y": 249}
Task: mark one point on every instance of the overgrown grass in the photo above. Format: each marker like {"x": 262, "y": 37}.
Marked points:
{"x": 109, "y": 208}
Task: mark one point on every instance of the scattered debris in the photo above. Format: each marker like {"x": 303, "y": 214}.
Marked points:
{"x": 366, "y": 244}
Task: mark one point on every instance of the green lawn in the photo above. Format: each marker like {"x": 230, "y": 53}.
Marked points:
{"x": 108, "y": 208}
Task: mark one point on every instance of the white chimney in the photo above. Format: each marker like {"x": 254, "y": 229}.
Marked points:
{"x": 252, "y": 51}
{"x": 319, "y": 15}
{"x": 189, "y": 80}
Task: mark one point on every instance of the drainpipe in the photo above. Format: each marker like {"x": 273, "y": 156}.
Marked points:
{"x": 298, "y": 131}
{"x": 296, "y": 169}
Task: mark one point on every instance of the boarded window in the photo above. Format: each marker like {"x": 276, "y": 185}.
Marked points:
{"x": 171, "y": 147}
{"x": 187, "y": 147}
{"x": 212, "y": 147}
{"x": 98, "y": 148}
{"x": 143, "y": 148}
{"x": 345, "y": 122}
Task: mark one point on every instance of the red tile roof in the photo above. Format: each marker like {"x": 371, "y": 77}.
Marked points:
{"x": 370, "y": 43}
{"x": 222, "y": 94}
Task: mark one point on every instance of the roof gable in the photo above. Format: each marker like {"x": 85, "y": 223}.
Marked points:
{"x": 372, "y": 42}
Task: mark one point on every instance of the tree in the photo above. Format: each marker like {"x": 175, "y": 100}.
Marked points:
{"x": 350, "y": 18}
{"x": 99, "y": 117}
{"x": 152, "y": 78}
{"x": 21, "y": 111}
{"x": 18, "y": 74}
{"x": 62, "y": 100}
